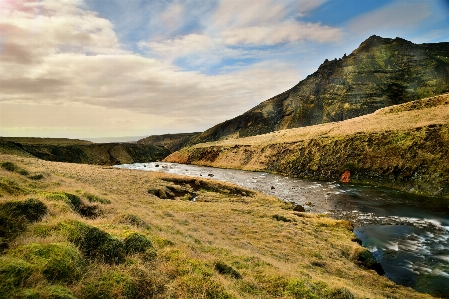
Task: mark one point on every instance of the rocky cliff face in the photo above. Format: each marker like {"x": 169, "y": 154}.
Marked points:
{"x": 380, "y": 73}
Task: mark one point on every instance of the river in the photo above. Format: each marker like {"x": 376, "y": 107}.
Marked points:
{"x": 407, "y": 234}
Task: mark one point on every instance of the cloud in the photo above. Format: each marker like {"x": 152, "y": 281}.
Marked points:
{"x": 286, "y": 32}
{"x": 399, "y": 16}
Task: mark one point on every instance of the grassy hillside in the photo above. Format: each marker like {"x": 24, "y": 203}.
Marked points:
{"x": 83, "y": 231}
{"x": 172, "y": 142}
{"x": 80, "y": 151}
{"x": 381, "y": 72}
{"x": 404, "y": 146}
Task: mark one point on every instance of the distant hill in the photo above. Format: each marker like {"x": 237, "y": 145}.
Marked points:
{"x": 381, "y": 72}
{"x": 81, "y": 151}
{"x": 172, "y": 142}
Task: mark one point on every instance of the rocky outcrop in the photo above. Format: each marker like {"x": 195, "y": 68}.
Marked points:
{"x": 380, "y": 73}
{"x": 398, "y": 147}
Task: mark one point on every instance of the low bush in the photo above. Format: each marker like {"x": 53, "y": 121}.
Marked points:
{"x": 137, "y": 243}
{"x": 8, "y": 166}
{"x": 58, "y": 262}
{"x": 110, "y": 286}
{"x": 132, "y": 219}
{"x": 94, "y": 198}
{"x": 93, "y": 242}
{"x": 224, "y": 269}
{"x": 16, "y": 215}
{"x": 72, "y": 200}
{"x": 281, "y": 218}
{"x": 36, "y": 177}
{"x": 14, "y": 273}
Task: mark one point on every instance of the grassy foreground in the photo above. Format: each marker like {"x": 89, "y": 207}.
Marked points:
{"x": 403, "y": 146}
{"x": 82, "y": 231}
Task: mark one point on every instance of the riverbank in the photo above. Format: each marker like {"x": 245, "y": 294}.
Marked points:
{"x": 133, "y": 234}
{"x": 401, "y": 147}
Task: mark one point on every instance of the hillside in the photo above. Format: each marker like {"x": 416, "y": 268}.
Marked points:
{"x": 381, "y": 72}
{"x": 80, "y": 151}
{"x": 403, "y": 146}
{"x": 83, "y": 231}
{"x": 172, "y": 142}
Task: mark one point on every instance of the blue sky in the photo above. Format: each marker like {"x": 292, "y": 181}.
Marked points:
{"x": 104, "y": 68}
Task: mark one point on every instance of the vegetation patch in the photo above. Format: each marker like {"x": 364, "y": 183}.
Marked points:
{"x": 58, "y": 262}
{"x": 281, "y": 218}
{"x": 94, "y": 198}
{"x": 132, "y": 219}
{"x": 75, "y": 203}
{"x": 224, "y": 269}
{"x": 14, "y": 273}
{"x": 137, "y": 243}
{"x": 93, "y": 242}
{"x": 16, "y": 215}
{"x": 110, "y": 286}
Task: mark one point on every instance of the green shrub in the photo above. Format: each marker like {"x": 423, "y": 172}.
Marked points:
{"x": 13, "y": 274}
{"x": 222, "y": 268}
{"x": 137, "y": 243}
{"x": 23, "y": 172}
{"x": 94, "y": 198}
{"x": 57, "y": 261}
{"x": 50, "y": 292}
{"x": 341, "y": 293}
{"x": 16, "y": 215}
{"x": 32, "y": 209}
{"x": 72, "y": 200}
{"x": 281, "y": 218}
{"x": 132, "y": 219}
{"x": 93, "y": 242}
{"x": 111, "y": 285}
{"x": 10, "y": 187}
{"x": 9, "y": 166}
{"x": 36, "y": 177}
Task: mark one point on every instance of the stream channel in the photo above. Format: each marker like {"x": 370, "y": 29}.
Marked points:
{"x": 407, "y": 234}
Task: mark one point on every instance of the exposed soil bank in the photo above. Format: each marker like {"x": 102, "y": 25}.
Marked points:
{"x": 403, "y": 147}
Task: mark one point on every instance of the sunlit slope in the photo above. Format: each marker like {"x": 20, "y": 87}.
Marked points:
{"x": 83, "y": 231}
{"x": 381, "y": 72}
{"x": 404, "y": 146}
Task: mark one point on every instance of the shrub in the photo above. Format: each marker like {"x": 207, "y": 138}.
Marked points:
{"x": 50, "y": 292}
{"x": 57, "y": 261}
{"x": 111, "y": 285}
{"x": 36, "y": 177}
{"x": 224, "y": 269}
{"x": 281, "y": 218}
{"x": 13, "y": 274}
{"x": 9, "y": 166}
{"x": 132, "y": 219}
{"x": 137, "y": 243}
{"x": 71, "y": 199}
{"x": 94, "y": 198}
{"x": 93, "y": 242}
{"x": 341, "y": 293}
{"x": 32, "y": 209}
{"x": 16, "y": 215}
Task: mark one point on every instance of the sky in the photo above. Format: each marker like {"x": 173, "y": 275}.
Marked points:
{"x": 112, "y": 68}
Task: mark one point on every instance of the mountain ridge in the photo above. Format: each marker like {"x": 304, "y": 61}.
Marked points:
{"x": 381, "y": 72}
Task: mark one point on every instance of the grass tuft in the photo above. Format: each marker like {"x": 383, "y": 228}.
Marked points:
{"x": 93, "y": 242}
{"x": 224, "y": 269}
{"x": 137, "y": 243}
{"x": 14, "y": 273}
{"x": 58, "y": 262}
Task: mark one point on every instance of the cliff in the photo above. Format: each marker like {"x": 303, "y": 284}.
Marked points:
{"x": 381, "y": 72}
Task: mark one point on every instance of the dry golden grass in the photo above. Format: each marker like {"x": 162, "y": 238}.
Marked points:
{"x": 434, "y": 110}
{"x": 300, "y": 256}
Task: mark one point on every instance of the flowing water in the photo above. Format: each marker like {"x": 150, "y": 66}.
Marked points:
{"x": 407, "y": 234}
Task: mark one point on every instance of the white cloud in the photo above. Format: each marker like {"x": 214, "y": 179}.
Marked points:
{"x": 286, "y": 32}
{"x": 172, "y": 16}
{"x": 73, "y": 59}
{"x": 397, "y": 17}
